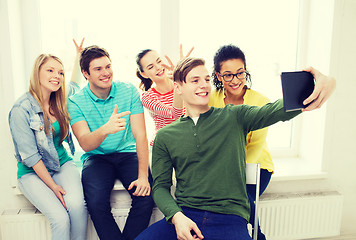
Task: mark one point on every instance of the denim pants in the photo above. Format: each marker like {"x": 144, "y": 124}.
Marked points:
{"x": 265, "y": 178}
{"x": 98, "y": 178}
{"x": 214, "y": 226}
{"x": 65, "y": 224}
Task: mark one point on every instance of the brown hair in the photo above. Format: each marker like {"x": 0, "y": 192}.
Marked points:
{"x": 184, "y": 67}
{"x": 145, "y": 83}
{"x": 57, "y": 100}
{"x": 89, "y": 54}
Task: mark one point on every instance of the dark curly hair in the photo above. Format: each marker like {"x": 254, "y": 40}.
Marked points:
{"x": 145, "y": 83}
{"x": 224, "y": 53}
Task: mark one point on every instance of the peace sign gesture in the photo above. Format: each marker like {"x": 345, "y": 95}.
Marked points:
{"x": 171, "y": 66}
{"x": 80, "y": 47}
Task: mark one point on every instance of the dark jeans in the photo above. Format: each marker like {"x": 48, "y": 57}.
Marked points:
{"x": 98, "y": 178}
{"x": 214, "y": 226}
{"x": 251, "y": 193}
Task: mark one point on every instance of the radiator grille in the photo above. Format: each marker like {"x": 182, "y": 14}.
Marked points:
{"x": 30, "y": 224}
{"x": 282, "y": 217}
{"x": 301, "y": 216}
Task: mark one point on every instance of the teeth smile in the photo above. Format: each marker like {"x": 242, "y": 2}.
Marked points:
{"x": 54, "y": 82}
{"x": 235, "y": 86}
{"x": 202, "y": 94}
{"x": 160, "y": 73}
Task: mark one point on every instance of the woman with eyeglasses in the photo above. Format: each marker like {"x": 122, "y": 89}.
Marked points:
{"x": 232, "y": 86}
{"x": 232, "y": 81}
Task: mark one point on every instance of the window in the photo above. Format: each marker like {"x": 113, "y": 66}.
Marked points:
{"x": 267, "y": 32}
{"x": 123, "y": 28}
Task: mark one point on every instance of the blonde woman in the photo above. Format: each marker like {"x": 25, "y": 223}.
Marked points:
{"x": 47, "y": 176}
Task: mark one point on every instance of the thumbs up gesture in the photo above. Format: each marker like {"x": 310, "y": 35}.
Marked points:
{"x": 116, "y": 123}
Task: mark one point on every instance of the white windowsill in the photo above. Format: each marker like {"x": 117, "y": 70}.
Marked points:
{"x": 290, "y": 169}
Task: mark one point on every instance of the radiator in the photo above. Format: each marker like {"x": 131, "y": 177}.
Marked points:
{"x": 300, "y": 215}
{"x": 29, "y": 224}
{"x": 24, "y": 224}
{"x": 282, "y": 217}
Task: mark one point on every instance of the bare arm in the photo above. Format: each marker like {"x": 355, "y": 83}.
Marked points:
{"x": 91, "y": 140}
{"x": 177, "y": 100}
{"x": 138, "y": 128}
{"x": 76, "y": 73}
{"x": 44, "y": 175}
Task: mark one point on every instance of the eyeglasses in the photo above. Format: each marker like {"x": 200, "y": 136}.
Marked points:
{"x": 230, "y": 76}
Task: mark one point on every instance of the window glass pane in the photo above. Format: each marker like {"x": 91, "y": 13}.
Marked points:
{"x": 267, "y": 32}
{"x": 123, "y": 28}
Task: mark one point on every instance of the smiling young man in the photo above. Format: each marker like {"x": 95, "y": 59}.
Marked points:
{"x": 207, "y": 149}
{"x": 107, "y": 119}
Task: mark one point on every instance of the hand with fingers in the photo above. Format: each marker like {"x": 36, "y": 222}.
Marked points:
{"x": 324, "y": 87}
{"x": 116, "y": 123}
{"x": 142, "y": 187}
{"x": 79, "y": 47}
{"x": 186, "y": 229}
{"x": 171, "y": 66}
{"x": 59, "y": 192}
{"x": 181, "y": 52}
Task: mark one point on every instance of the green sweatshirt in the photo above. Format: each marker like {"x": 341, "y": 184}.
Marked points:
{"x": 209, "y": 158}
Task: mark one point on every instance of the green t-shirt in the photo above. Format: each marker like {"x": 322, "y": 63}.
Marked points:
{"x": 209, "y": 158}
{"x": 62, "y": 153}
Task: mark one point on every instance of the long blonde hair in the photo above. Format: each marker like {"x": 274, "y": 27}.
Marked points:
{"x": 57, "y": 100}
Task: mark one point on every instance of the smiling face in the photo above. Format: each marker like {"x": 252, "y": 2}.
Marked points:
{"x": 51, "y": 76}
{"x": 152, "y": 67}
{"x": 236, "y": 86}
{"x": 195, "y": 91}
{"x": 100, "y": 76}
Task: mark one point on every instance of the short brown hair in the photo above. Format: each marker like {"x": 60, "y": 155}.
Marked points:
{"x": 89, "y": 54}
{"x": 184, "y": 67}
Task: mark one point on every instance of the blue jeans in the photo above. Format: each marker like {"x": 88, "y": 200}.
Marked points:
{"x": 251, "y": 193}
{"x": 98, "y": 178}
{"x": 65, "y": 224}
{"x": 214, "y": 226}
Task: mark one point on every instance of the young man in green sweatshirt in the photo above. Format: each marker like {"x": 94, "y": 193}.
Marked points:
{"x": 206, "y": 147}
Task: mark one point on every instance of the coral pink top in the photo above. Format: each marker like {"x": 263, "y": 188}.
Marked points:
{"x": 160, "y": 107}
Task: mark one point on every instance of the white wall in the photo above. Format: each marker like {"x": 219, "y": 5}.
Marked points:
{"x": 339, "y": 154}
{"x": 14, "y": 53}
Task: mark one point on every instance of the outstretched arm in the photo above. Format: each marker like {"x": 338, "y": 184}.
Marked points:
{"x": 324, "y": 87}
